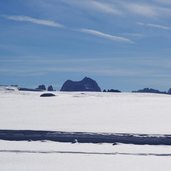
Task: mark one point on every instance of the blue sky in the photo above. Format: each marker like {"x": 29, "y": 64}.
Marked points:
{"x": 122, "y": 44}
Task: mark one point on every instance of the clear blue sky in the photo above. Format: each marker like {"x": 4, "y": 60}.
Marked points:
{"x": 122, "y": 44}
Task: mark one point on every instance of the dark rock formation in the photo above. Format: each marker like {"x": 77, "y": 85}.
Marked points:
{"x": 50, "y": 88}
{"x": 41, "y": 87}
{"x": 87, "y": 84}
{"x": 169, "y": 91}
{"x": 112, "y": 90}
{"x": 28, "y": 89}
{"x": 47, "y": 95}
{"x": 149, "y": 90}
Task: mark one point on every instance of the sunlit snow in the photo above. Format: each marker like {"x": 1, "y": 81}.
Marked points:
{"x": 87, "y": 112}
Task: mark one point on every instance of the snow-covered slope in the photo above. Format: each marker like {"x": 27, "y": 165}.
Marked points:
{"x": 49, "y": 156}
{"x": 87, "y": 112}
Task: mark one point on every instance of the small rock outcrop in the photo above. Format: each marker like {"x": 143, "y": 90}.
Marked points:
{"x": 150, "y": 90}
{"x": 50, "y": 88}
{"x": 28, "y": 89}
{"x": 112, "y": 91}
{"x": 47, "y": 95}
{"x": 169, "y": 91}
{"x": 41, "y": 87}
{"x": 87, "y": 84}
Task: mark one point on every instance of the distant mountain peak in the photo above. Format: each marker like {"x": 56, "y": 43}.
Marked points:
{"x": 86, "y": 84}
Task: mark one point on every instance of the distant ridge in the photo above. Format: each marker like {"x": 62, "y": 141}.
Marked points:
{"x": 150, "y": 90}
{"x": 86, "y": 84}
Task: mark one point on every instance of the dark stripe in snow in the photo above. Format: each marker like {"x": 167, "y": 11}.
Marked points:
{"x": 82, "y": 152}
{"x": 85, "y": 137}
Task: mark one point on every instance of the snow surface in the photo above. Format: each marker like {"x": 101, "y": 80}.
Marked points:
{"x": 87, "y": 112}
{"x": 49, "y": 156}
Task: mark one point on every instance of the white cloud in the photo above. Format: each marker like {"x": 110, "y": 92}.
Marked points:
{"x": 44, "y": 22}
{"x": 122, "y": 72}
{"x": 141, "y": 9}
{"x": 155, "y": 67}
{"x": 106, "y": 36}
{"x": 164, "y": 11}
{"x": 95, "y": 70}
{"x": 146, "y": 9}
{"x": 55, "y": 24}
{"x": 155, "y": 26}
{"x": 104, "y": 7}
{"x": 95, "y": 5}
{"x": 122, "y": 8}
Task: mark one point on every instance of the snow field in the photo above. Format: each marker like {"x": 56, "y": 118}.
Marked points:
{"x": 26, "y": 161}
{"x": 87, "y": 112}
